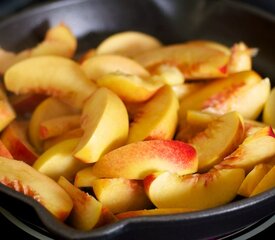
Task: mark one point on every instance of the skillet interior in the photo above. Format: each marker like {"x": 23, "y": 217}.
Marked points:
{"x": 170, "y": 21}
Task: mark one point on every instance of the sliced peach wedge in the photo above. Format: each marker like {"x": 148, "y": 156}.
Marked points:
{"x": 128, "y": 43}
{"x": 137, "y": 160}
{"x": 266, "y": 183}
{"x": 220, "y": 138}
{"x": 233, "y": 93}
{"x": 197, "y": 121}
{"x": 48, "y": 109}
{"x": 195, "y": 61}
{"x": 130, "y": 88}
{"x": 51, "y": 75}
{"x": 157, "y": 118}
{"x": 105, "y": 124}
{"x": 200, "y": 59}
{"x": 100, "y": 65}
{"x": 253, "y": 178}
{"x": 59, "y": 41}
{"x": 86, "y": 210}
{"x": 195, "y": 191}
{"x": 23, "y": 178}
{"x": 14, "y": 137}
{"x": 120, "y": 194}
{"x": 257, "y": 148}
{"x": 58, "y": 160}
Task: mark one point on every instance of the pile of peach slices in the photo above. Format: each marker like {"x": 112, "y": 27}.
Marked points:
{"x": 134, "y": 127}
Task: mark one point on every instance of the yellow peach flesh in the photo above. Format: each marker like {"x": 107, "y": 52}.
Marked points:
{"x": 58, "y": 161}
{"x": 86, "y": 210}
{"x": 196, "y": 61}
{"x": 219, "y": 139}
{"x": 130, "y": 88}
{"x": 120, "y": 194}
{"x": 100, "y": 65}
{"x": 197, "y": 191}
{"x": 48, "y": 109}
{"x": 253, "y": 178}
{"x": 266, "y": 183}
{"x": 51, "y": 75}
{"x": 129, "y": 43}
{"x": 25, "y": 179}
{"x": 105, "y": 125}
{"x": 137, "y": 160}
{"x": 156, "y": 119}
{"x": 257, "y": 148}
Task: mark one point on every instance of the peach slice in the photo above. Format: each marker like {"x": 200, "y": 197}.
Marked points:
{"x": 157, "y": 119}
{"x": 7, "y": 113}
{"x": 129, "y": 43}
{"x": 15, "y": 139}
{"x": 266, "y": 183}
{"x": 59, "y": 41}
{"x": 100, "y": 65}
{"x": 51, "y": 75}
{"x": 130, "y": 88}
{"x": 252, "y": 99}
{"x": 120, "y": 194}
{"x": 197, "y": 121}
{"x": 195, "y": 61}
{"x": 253, "y": 178}
{"x": 86, "y": 210}
{"x": 225, "y": 95}
{"x": 4, "y": 152}
{"x": 195, "y": 191}
{"x": 269, "y": 110}
{"x": 84, "y": 177}
{"x": 48, "y": 109}
{"x": 255, "y": 149}
{"x": 23, "y": 178}
{"x": 152, "y": 212}
{"x": 58, "y": 161}
{"x": 74, "y": 133}
{"x": 220, "y": 138}
{"x": 57, "y": 126}
{"x": 105, "y": 124}
{"x": 137, "y": 160}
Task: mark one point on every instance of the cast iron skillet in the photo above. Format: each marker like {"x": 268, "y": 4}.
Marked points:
{"x": 171, "y": 21}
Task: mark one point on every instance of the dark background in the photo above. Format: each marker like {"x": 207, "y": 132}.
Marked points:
{"x": 11, "y": 7}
